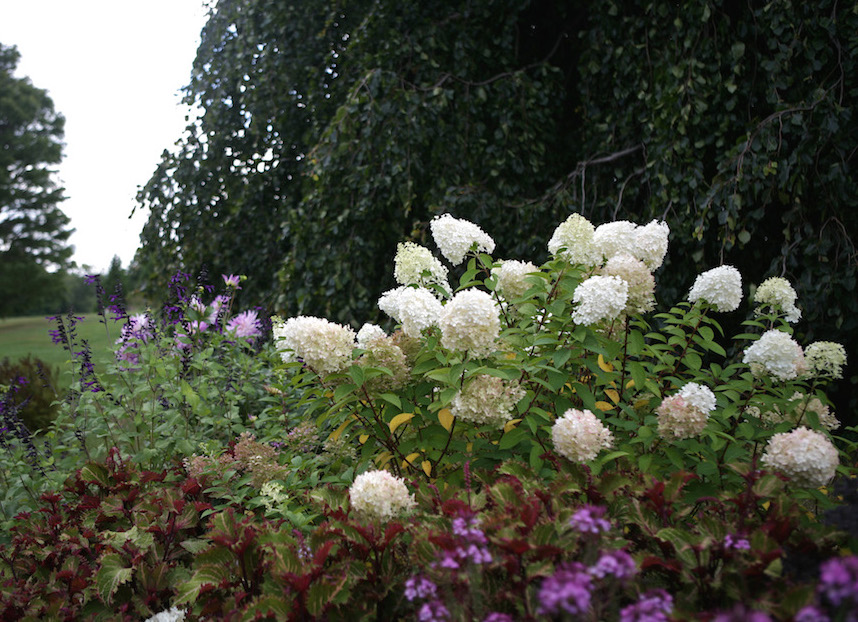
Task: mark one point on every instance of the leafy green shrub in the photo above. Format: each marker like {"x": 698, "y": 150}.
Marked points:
{"x": 38, "y": 390}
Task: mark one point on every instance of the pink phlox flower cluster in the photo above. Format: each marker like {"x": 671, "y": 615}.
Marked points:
{"x": 654, "y": 606}
{"x": 618, "y": 564}
{"x": 470, "y": 547}
{"x": 568, "y": 590}
{"x": 456, "y": 237}
{"x": 590, "y": 519}
{"x": 810, "y": 613}
{"x": 496, "y": 616}
{"x": 245, "y": 325}
{"x": 736, "y": 544}
{"x": 721, "y": 287}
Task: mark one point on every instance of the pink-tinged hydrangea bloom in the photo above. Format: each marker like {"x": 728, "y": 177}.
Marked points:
{"x": 415, "y": 265}
{"x": 579, "y": 435}
{"x": 487, "y": 400}
{"x": 512, "y": 278}
{"x": 721, "y": 287}
{"x": 654, "y": 606}
{"x": 776, "y": 354}
{"x": 456, "y": 237}
{"x": 590, "y": 519}
{"x": 418, "y": 310}
{"x": 470, "y": 323}
{"x": 568, "y": 590}
{"x": 323, "y": 346}
{"x": 244, "y": 325}
{"x": 807, "y": 457}
{"x": 573, "y": 241}
{"x": 380, "y": 495}
{"x": 684, "y": 414}
{"x": 825, "y": 359}
{"x": 599, "y": 298}
{"x": 641, "y": 290}
{"x": 776, "y": 294}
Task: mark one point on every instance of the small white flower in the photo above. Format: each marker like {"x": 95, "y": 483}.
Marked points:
{"x": 599, "y": 298}
{"x": 381, "y": 496}
{"x": 721, "y": 287}
{"x": 173, "y": 614}
{"x": 456, "y": 237}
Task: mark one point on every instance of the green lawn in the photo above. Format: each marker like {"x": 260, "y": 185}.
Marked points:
{"x": 21, "y": 336}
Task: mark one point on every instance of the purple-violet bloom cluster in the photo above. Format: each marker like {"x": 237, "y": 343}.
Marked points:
{"x": 420, "y": 588}
{"x": 568, "y": 590}
{"x": 433, "y": 611}
{"x": 838, "y": 581}
{"x": 654, "y": 606}
{"x": 617, "y": 564}
{"x": 590, "y": 519}
{"x": 471, "y": 545}
{"x": 736, "y": 543}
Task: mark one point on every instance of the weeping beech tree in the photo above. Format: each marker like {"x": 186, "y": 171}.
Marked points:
{"x": 331, "y": 131}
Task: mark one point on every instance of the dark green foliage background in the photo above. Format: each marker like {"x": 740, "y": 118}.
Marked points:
{"x": 331, "y": 132}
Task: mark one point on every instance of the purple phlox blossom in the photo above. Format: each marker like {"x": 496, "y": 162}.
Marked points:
{"x": 495, "y": 616}
{"x": 244, "y": 325}
{"x": 232, "y": 281}
{"x": 567, "y": 590}
{"x": 811, "y": 614}
{"x": 738, "y": 544}
{"x": 654, "y": 606}
{"x": 590, "y": 519}
{"x": 420, "y": 588}
{"x": 616, "y": 563}
{"x": 838, "y": 580}
{"x": 433, "y": 611}
{"x": 471, "y": 544}
{"x": 740, "y": 613}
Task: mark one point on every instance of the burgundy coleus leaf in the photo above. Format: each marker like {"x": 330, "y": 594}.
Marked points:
{"x": 515, "y": 546}
{"x": 653, "y": 561}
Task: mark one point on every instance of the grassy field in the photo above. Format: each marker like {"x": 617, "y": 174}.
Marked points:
{"x": 21, "y": 336}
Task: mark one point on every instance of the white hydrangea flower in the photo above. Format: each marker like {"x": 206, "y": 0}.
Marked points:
{"x": 576, "y": 237}
{"x": 776, "y": 354}
{"x": 368, "y": 333}
{"x": 777, "y": 294}
{"x": 808, "y": 458}
{"x": 173, "y": 614}
{"x": 826, "y": 359}
{"x": 381, "y": 496}
{"x": 804, "y": 404}
{"x": 389, "y": 301}
{"x": 470, "y": 323}
{"x": 512, "y": 278}
{"x": 415, "y": 265}
{"x": 613, "y": 238}
{"x": 579, "y": 435}
{"x": 599, "y": 298}
{"x": 684, "y": 414}
{"x": 721, "y": 287}
{"x": 418, "y": 310}
{"x": 641, "y": 294}
{"x": 456, "y": 237}
{"x": 324, "y": 346}
{"x": 650, "y": 243}
{"x": 486, "y": 399}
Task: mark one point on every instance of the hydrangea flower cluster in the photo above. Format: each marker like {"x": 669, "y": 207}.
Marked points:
{"x": 568, "y": 590}
{"x": 647, "y": 244}
{"x": 775, "y": 354}
{"x": 573, "y": 240}
{"x": 776, "y": 294}
{"x": 487, "y": 400}
{"x": 456, "y": 237}
{"x": 382, "y": 351}
{"x": 323, "y": 346}
{"x": 369, "y": 333}
{"x": 415, "y": 265}
{"x": 684, "y": 414}
{"x": 825, "y": 359}
{"x": 797, "y": 408}
{"x": 512, "y": 278}
{"x": 721, "y": 287}
{"x": 599, "y": 298}
{"x": 807, "y": 457}
{"x": 579, "y": 435}
{"x": 380, "y": 496}
{"x": 418, "y": 310}
{"x": 654, "y": 606}
{"x": 173, "y": 614}
{"x": 641, "y": 283}
{"x": 590, "y": 519}
{"x": 470, "y": 322}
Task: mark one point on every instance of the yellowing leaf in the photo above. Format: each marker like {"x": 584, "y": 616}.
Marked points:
{"x": 604, "y": 406}
{"x": 411, "y": 457}
{"x": 362, "y": 438}
{"x": 398, "y": 420}
{"x": 613, "y": 395}
{"x": 446, "y": 418}
{"x": 630, "y": 384}
{"x": 469, "y": 447}
{"x": 603, "y": 365}
{"x": 336, "y": 433}
{"x": 383, "y": 459}
{"x": 510, "y": 425}
{"x": 427, "y": 467}
{"x": 509, "y": 356}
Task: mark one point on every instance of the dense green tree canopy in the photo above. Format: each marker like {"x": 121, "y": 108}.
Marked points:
{"x": 332, "y": 131}
{"x": 33, "y": 228}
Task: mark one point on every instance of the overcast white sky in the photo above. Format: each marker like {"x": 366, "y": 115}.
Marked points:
{"x": 114, "y": 69}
